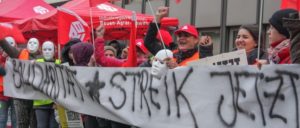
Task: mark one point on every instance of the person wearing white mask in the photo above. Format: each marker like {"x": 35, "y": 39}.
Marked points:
{"x": 11, "y": 41}
{"x": 33, "y": 45}
{"x": 6, "y": 103}
{"x": 159, "y": 66}
{"x": 44, "y": 108}
{"x": 23, "y": 107}
{"x": 48, "y": 50}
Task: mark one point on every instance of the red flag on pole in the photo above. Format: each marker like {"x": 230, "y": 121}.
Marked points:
{"x": 294, "y": 4}
{"x": 70, "y": 25}
{"x": 11, "y": 30}
{"x": 132, "y": 56}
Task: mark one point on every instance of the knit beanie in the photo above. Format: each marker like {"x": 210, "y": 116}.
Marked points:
{"x": 276, "y": 20}
{"x": 111, "y": 49}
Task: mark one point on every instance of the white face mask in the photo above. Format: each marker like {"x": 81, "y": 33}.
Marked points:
{"x": 159, "y": 66}
{"x": 33, "y": 45}
{"x": 11, "y": 41}
{"x": 48, "y": 50}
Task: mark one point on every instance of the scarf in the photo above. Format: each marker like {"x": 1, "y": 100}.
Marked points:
{"x": 279, "y": 51}
{"x": 182, "y": 55}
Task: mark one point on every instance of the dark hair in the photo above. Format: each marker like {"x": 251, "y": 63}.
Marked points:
{"x": 115, "y": 42}
{"x": 66, "y": 49}
{"x": 254, "y": 32}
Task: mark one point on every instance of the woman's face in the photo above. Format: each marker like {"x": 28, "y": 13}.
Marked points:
{"x": 244, "y": 40}
{"x": 274, "y": 35}
{"x": 109, "y": 53}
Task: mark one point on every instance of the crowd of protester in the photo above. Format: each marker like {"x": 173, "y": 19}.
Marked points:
{"x": 158, "y": 49}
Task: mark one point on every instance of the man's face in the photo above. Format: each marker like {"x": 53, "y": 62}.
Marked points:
{"x": 33, "y": 45}
{"x": 186, "y": 41}
{"x": 48, "y": 50}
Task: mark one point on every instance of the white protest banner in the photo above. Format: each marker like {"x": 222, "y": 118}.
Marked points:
{"x": 189, "y": 97}
{"x": 238, "y": 57}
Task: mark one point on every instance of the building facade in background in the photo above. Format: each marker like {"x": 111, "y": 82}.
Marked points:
{"x": 217, "y": 18}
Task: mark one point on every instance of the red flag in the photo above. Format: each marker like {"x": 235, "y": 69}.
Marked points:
{"x": 294, "y": 4}
{"x": 178, "y": 1}
{"x": 10, "y": 30}
{"x": 132, "y": 56}
{"x": 70, "y": 25}
{"x": 94, "y": 3}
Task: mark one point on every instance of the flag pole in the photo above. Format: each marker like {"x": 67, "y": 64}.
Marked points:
{"x": 91, "y": 19}
{"x": 260, "y": 27}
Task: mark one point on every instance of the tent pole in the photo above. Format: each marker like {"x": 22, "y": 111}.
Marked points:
{"x": 59, "y": 52}
{"x": 91, "y": 19}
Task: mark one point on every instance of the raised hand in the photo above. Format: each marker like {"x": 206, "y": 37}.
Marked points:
{"x": 161, "y": 13}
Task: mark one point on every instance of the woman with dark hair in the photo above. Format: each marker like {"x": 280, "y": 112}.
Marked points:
{"x": 66, "y": 55}
{"x": 247, "y": 39}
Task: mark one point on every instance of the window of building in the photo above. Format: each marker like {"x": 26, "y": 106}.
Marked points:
{"x": 215, "y": 35}
{"x": 233, "y": 32}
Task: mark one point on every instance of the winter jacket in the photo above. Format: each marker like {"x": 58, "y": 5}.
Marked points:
{"x": 252, "y": 56}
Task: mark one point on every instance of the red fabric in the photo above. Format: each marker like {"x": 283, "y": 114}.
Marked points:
{"x": 166, "y": 37}
{"x": 132, "y": 56}
{"x": 94, "y": 3}
{"x": 102, "y": 59}
{"x": 10, "y": 30}
{"x": 141, "y": 45}
{"x": 294, "y": 4}
{"x": 284, "y": 56}
{"x": 70, "y": 25}
{"x": 116, "y": 19}
{"x": 11, "y": 10}
{"x": 2, "y": 63}
{"x": 189, "y": 29}
{"x": 279, "y": 52}
{"x": 42, "y": 27}
{"x": 178, "y": 1}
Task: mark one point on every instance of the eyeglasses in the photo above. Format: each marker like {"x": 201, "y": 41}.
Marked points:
{"x": 184, "y": 34}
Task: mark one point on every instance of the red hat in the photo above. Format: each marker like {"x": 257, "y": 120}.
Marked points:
{"x": 140, "y": 44}
{"x": 189, "y": 29}
{"x": 166, "y": 37}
